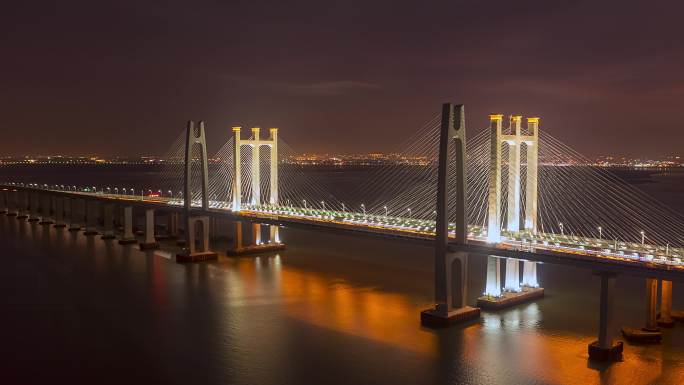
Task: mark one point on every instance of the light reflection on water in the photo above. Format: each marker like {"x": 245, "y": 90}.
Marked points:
{"x": 329, "y": 309}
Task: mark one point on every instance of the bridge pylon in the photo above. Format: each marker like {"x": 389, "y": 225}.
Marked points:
{"x": 196, "y": 226}
{"x": 451, "y": 268}
{"x": 255, "y": 142}
{"x": 514, "y": 140}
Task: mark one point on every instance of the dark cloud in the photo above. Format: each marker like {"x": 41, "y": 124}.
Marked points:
{"x": 84, "y": 76}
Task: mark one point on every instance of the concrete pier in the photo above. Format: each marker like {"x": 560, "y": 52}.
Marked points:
{"x": 256, "y": 246}
{"x": 108, "y": 221}
{"x": 4, "y": 201}
{"x": 605, "y": 349}
{"x": 22, "y": 204}
{"x": 127, "y": 237}
{"x": 75, "y": 214}
{"x": 666, "y": 319}
{"x": 651, "y": 304}
{"x": 197, "y": 242}
{"x": 91, "y": 214}
{"x": 46, "y": 209}
{"x": 512, "y": 275}
{"x": 150, "y": 241}
{"x": 650, "y": 332}
{"x": 493, "y": 283}
{"x": 12, "y": 202}
{"x": 58, "y": 210}
{"x": 34, "y": 207}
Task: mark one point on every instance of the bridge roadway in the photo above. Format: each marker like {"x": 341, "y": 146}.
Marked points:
{"x": 545, "y": 248}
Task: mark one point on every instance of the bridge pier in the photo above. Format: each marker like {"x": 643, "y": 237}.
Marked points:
{"x": 650, "y": 332}
{"x": 91, "y": 216}
{"x": 274, "y": 234}
{"x": 128, "y": 237}
{"x": 604, "y": 349}
{"x": 34, "y": 207}
{"x": 75, "y": 217}
{"x": 58, "y": 210}
{"x": 493, "y": 283}
{"x": 256, "y": 234}
{"x": 257, "y": 245}
{"x": 12, "y": 203}
{"x": 150, "y": 240}
{"x": 237, "y": 236}
{"x": 108, "y": 221}
{"x": 4, "y": 201}
{"x": 452, "y": 289}
{"x": 530, "y": 274}
{"x": 512, "y": 275}
{"x": 173, "y": 219}
{"x": 197, "y": 241}
{"x": 665, "y": 319}
{"x": 651, "y": 304}
{"x": 514, "y": 294}
{"x": 23, "y": 205}
{"x": 46, "y": 209}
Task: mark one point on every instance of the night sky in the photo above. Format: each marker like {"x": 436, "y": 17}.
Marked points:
{"x": 123, "y": 77}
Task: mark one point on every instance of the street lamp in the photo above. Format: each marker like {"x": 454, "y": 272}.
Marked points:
{"x": 643, "y": 237}
{"x": 561, "y": 228}
{"x": 409, "y": 212}
{"x": 343, "y": 208}
{"x": 600, "y": 232}
{"x": 385, "y": 207}
{"x": 304, "y": 200}
{"x": 667, "y": 249}
{"x": 323, "y": 204}
{"x": 363, "y": 207}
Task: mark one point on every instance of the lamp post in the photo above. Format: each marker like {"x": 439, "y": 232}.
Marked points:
{"x": 561, "y": 228}
{"x": 323, "y": 204}
{"x": 304, "y": 200}
{"x": 643, "y": 237}
{"x": 363, "y": 207}
{"x": 409, "y": 212}
{"x": 385, "y": 207}
{"x": 600, "y": 232}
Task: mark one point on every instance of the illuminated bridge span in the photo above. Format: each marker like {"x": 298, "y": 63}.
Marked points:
{"x": 514, "y": 194}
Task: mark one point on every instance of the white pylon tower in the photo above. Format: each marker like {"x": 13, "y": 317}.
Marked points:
{"x": 255, "y": 142}
{"x": 514, "y": 139}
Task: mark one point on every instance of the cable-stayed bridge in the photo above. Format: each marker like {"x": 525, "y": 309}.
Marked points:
{"x": 514, "y": 194}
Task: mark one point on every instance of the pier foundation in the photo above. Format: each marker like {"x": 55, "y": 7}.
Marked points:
{"x": 197, "y": 241}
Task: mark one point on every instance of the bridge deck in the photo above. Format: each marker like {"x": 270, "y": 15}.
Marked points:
{"x": 626, "y": 261}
